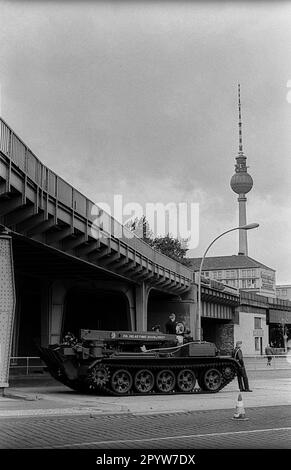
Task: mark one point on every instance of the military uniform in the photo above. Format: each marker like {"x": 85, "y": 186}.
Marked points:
{"x": 171, "y": 327}
{"x": 242, "y": 377}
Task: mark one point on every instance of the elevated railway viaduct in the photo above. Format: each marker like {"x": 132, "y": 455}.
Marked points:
{"x": 76, "y": 266}
{"x": 73, "y": 261}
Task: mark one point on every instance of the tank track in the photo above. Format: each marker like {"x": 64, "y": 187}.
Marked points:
{"x": 95, "y": 378}
{"x": 198, "y": 369}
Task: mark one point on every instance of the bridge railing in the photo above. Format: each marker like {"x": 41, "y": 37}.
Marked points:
{"x": 28, "y": 366}
{"x": 56, "y": 187}
{"x": 25, "y": 365}
{"x": 262, "y": 299}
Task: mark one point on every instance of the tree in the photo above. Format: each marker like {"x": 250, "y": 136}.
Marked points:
{"x": 284, "y": 331}
{"x": 141, "y": 228}
{"x": 279, "y": 333}
{"x": 172, "y": 247}
{"x": 168, "y": 245}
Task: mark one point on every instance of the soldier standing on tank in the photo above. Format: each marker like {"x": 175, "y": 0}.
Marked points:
{"x": 171, "y": 324}
{"x": 242, "y": 377}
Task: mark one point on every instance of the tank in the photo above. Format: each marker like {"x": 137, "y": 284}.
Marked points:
{"x": 130, "y": 363}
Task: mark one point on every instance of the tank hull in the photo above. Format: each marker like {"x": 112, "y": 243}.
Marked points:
{"x": 138, "y": 374}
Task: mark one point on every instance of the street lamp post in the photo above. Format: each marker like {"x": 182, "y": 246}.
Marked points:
{"x": 243, "y": 227}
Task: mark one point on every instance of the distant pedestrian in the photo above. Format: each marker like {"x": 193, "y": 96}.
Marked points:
{"x": 269, "y": 354}
{"x": 171, "y": 324}
{"x": 242, "y": 377}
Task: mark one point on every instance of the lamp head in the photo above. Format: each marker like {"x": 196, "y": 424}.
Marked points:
{"x": 249, "y": 226}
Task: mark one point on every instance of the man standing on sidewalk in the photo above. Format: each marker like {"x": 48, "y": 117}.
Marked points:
{"x": 242, "y": 377}
{"x": 269, "y": 354}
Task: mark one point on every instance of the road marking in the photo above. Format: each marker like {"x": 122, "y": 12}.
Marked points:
{"x": 191, "y": 436}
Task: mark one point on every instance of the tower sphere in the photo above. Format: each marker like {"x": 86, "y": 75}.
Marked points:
{"x": 241, "y": 183}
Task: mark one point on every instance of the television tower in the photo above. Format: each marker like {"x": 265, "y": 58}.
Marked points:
{"x": 241, "y": 183}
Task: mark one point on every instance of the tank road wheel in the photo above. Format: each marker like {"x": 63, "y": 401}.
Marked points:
{"x": 144, "y": 381}
{"x": 186, "y": 380}
{"x": 121, "y": 381}
{"x": 165, "y": 381}
{"x": 212, "y": 380}
{"x": 228, "y": 372}
{"x": 99, "y": 376}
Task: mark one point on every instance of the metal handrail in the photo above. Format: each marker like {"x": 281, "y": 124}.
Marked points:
{"x": 27, "y": 364}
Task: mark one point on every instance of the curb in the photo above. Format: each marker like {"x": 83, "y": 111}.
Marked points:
{"x": 23, "y": 396}
{"x": 51, "y": 412}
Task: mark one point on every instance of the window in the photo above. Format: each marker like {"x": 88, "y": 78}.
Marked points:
{"x": 282, "y": 291}
{"x": 206, "y": 273}
{"x": 257, "y": 344}
{"x": 258, "y": 323}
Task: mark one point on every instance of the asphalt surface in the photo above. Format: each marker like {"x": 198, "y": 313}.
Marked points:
{"x": 266, "y": 427}
{"x": 44, "y": 421}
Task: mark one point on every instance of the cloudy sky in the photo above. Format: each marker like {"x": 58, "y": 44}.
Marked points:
{"x": 140, "y": 99}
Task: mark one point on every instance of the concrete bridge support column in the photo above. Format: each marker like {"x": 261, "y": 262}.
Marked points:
{"x": 16, "y": 325}
{"x": 183, "y": 305}
{"x": 225, "y": 337}
{"x": 56, "y": 311}
{"x": 129, "y": 292}
{"x": 7, "y": 308}
{"x": 189, "y": 299}
{"x": 141, "y": 306}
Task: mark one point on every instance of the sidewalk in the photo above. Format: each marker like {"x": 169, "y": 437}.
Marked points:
{"x": 46, "y": 397}
{"x": 260, "y": 363}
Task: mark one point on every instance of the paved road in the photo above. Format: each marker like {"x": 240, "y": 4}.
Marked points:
{"x": 53, "y": 417}
{"x": 267, "y": 427}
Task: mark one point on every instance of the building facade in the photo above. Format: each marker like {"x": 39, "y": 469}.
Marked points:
{"x": 266, "y": 319}
{"x": 240, "y": 272}
{"x": 283, "y": 291}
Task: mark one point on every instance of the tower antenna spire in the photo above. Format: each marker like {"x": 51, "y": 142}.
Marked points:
{"x": 240, "y": 147}
{"x": 241, "y": 183}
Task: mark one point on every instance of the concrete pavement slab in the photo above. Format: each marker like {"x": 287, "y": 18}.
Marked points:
{"x": 61, "y": 400}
